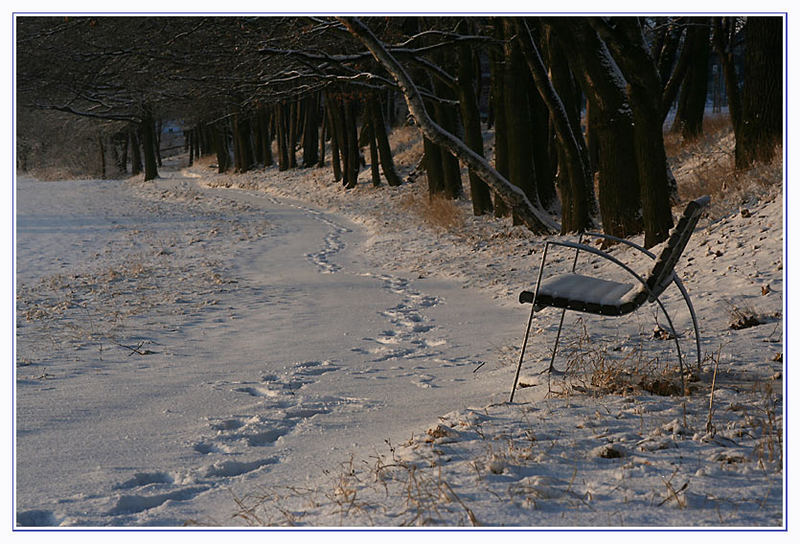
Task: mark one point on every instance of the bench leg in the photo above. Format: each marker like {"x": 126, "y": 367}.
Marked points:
{"x": 530, "y": 320}
{"x": 558, "y": 337}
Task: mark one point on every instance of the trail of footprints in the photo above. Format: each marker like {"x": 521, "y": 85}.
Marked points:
{"x": 240, "y": 444}
{"x": 411, "y": 334}
{"x": 331, "y": 244}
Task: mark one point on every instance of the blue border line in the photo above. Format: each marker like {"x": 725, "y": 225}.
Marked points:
{"x": 13, "y": 275}
{"x": 785, "y": 527}
{"x": 786, "y": 273}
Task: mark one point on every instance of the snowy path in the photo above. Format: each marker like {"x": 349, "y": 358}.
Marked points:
{"x": 176, "y": 344}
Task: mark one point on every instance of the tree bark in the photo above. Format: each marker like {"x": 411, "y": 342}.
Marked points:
{"x": 221, "y": 148}
{"x": 157, "y": 142}
{"x": 353, "y": 162}
{"x": 101, "y": 148}
{"x": 373, "y": 154}
{"x": 497, "y": 100}
{"x": 190, "y": 145}
{"x": 266, "y": 136}
{"x": 311, "y": 132}
{"x": 610, "y": 123}
{"x": 761, "y": 127}
{"x": 281, "y": 136}
{"x": 451, "y": 169}
{"x": 471, "y": 120}
{"x": 723, "y": 35}
{"x": 147, "y": 127}
{"x": 291, "y": 133}
{"x": 432, "y": 159}
{"x": 136, "y": 155}
{"x": 692, "y": 100}
{"x": 543, "y": 154}
{"x": 323, "y": 133}
{"x": 576, "y": 212}
{"x": 119, "y": 144}
{"x": 521, "y": 171}
{"x": 627, "y": 46}
{"x": 382, "y": 140}
{"x": 333, "y": 128}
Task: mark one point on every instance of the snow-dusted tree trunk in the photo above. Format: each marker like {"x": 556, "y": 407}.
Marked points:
{"x": 576, "y": 212}
{"x": 624, "y": 38}
{"x": 610, "y": 124}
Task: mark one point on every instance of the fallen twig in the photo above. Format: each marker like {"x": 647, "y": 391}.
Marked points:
{"x": 138, "y": 349}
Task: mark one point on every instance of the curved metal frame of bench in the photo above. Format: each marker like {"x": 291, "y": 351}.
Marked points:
{"x": 651, "y": 297}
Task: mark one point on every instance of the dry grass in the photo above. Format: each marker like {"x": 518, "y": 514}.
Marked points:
{"x": 406, "y": 144}
{"x": 768, "y": 425}
{"x": 595, "y": 369}
{"x": 705, "y": 166}
{"x": 411, "y": 493}
{"x": 438, "y": 211}
{"x": 57, "y": 173}
{"x": 715, "y": 129}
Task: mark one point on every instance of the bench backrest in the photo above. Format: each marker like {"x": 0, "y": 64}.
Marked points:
{"x": 662, "y": 273}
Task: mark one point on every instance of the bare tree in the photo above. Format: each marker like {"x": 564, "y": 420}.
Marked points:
{"x": 534, "y": 218}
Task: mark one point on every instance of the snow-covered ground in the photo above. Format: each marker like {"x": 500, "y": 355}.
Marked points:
{"x": 270, "y": 349}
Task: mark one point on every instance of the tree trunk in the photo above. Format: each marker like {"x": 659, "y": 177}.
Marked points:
{"x": 518, "y": 119}
{"x": 672, "y": 80}
{"x": 336, "y": 162}
{"x": 336, "y": 133}
{"x": 667, "y": 44}
{"x": 311, "y": 132}
{"x": 626, "y": 43}
{"x": 120, "y": 151}
{"x": 761, "y": 127}
{"x": 101, "y": 156}
{"x": 243, "y": 142}
{"x": 471, "y": 120}
{"x": 576, "y": 211}
{"x": 221, "y": 148}
{"x": 147, "y": 127}
{"x": 204, "y": 147}
{"x": 136, "y": 155}
{"x": 373, "y": 155}
{"x": 157, "y": 142}
{"x": 196, "y": 142}
{"x": 433, "y": 167}
{"x": 610, "y": 123}
{"x": 291, "y": 133}
{"x": 382, "y": 141}
{"x": 451, "y": 169}
{"x": 544, "y": 164}
{"x": 497, "y": 100}
{"x": 353, "y": 163}
{"x": 266, "y": 136}
{"x": 323, "y": 133}
{"x": 189, "y": 135}
{"x": 281, "y": 136}
{"x": 692, "y": 101}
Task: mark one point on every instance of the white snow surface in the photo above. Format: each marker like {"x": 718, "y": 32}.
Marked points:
{"x": 270, "y": 349}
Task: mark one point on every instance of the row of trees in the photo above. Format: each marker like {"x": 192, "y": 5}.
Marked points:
{"x": 575, "y": 102}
